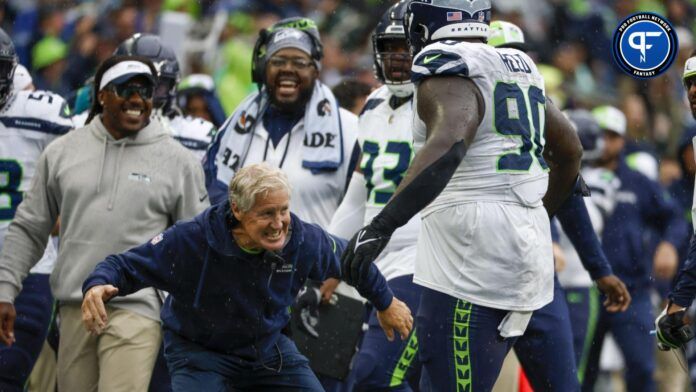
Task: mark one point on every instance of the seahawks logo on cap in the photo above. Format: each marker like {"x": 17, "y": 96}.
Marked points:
{"x": 287, "y": 34}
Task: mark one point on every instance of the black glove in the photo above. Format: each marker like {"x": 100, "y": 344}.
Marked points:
{"x": 308, "y": 305}
{"x": 361, "y": 251}
{"x": 671, "y": 330}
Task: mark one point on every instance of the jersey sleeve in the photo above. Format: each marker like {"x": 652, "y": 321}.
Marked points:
{"x": 49, "y": 112}
{"x": 443, "y": 58}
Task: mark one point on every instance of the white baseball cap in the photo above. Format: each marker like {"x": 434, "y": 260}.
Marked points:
{"x": 610, "y": 118}
{"x": 124, "y": 71}
{"x": 689, "y": 68}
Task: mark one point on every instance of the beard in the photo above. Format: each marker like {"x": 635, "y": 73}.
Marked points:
{"x": 298, "y": 105}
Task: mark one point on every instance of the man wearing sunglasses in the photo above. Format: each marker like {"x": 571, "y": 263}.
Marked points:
{"x": 116, "y": 182}
{"x": 193, "y": 133}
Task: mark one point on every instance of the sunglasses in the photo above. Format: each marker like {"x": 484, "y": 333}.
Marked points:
{"x": 125, "y": 91}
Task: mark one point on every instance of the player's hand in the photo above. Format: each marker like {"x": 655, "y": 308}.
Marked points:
{"x": 93, "y": 311}
{"x": 396, "y": 317}
{"x": 360, "y": 252}
{"x": 7, "y": 319}
{"x": 616, "y": 292}
{"x": 327, "y": 289}
{"x": 666, "y": 261}
{"x": 671, "y": 330}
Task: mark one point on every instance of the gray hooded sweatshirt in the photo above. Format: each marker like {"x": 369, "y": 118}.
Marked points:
{"x": 111, "y": 195}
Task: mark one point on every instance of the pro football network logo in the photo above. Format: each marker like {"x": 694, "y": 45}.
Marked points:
{"x": 645, "y": 45}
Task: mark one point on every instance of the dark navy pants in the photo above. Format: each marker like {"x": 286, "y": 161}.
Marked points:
{"x": 34, "y": 307}
{"x": 195, "y": 368}
{"x": 381, "y": 365}
{"x": 546, "y": 348}
{"x": 631, "y": 330}
{"x": 584, "y": 307}
{"x": 459, "y": 344}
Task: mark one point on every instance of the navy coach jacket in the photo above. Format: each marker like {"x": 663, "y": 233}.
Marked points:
{"x": 222, "y": 297}
{"x": 642, "y": 205}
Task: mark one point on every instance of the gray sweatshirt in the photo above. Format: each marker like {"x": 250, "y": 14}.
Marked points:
{"x": 111, "y": 195}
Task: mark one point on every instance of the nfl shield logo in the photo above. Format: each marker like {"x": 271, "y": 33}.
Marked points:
{"x": 482, "y": 16}
{"x": 158, "y": 238}
{"x": 452, "y": 16}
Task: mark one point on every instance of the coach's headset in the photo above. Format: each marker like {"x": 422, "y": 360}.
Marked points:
{"x": 258, "y": 59}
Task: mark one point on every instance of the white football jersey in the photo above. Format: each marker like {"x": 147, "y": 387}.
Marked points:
{"x": 29, "y": 121}
{"x": 192, "y": 132}
{"x": 486, "y": 238}
{"x": 504, "y": 162}
{"x": 385, "y": 138}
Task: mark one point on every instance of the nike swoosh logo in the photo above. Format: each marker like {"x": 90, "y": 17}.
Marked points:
{"x": 428, "y": 59}
{"x": 359, "y": 241}
{"x": 200, "y": 199}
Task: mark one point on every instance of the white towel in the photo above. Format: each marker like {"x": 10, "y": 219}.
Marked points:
{"x": 321, "y": 117}
{"x": 514, "y": 324}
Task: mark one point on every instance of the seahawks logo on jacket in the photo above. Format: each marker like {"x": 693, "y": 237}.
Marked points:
{"x": 157, "y": 239}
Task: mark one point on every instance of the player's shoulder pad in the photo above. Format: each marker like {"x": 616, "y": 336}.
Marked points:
{"x": 453, "y": 58}
{"x": 376, "y": 98}
{"x": 39, "y": 110}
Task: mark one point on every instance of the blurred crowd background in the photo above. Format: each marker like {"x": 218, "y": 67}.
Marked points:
{"x": 61, "y": 42}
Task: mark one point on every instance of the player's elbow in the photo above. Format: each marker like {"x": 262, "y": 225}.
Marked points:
{"x": 450, "y": 149}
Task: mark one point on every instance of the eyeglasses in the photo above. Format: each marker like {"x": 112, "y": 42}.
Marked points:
{"x": 125, "y": 91}
{"x": 296, "y": 63}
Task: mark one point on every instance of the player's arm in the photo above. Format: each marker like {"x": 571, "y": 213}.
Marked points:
{"x": 562, "y": 153}
{"x": 667, "y": 217}
{"x": 671, "y": 327}
{"x": 575, "y": 219}
{"x": 452, "y": 109}
{"x": 684, "y": 290}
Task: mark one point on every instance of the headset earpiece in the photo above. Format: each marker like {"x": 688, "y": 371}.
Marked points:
{"x": 258, "y": 58}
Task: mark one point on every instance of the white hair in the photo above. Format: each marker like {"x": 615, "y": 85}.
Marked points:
{"x": 254, "y": 180}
